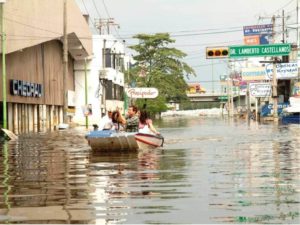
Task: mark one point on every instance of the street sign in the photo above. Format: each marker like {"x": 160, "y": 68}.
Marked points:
{"x": 224, "y": 98}
{"x": 258, "y": 29}
{"x": 239, "y": 51}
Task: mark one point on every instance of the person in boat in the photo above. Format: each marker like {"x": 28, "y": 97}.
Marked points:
{"x": 145, "y": 123}
{"x": 131, "y": 121}
{"x": 106, "y": 121}
{"x": 118, "y": 121}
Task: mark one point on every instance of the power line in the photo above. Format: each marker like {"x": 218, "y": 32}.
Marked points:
{"x": 96, "y": 9}
{"x": 282, "y": 7}
{"x": 106, "y": 10}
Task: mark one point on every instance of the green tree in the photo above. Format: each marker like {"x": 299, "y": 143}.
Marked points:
{"x": 161, "y": 66}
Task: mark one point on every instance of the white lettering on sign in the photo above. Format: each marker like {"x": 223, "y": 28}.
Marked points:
{"x": 26, "y": 89}
{"x": 142, "y": 92}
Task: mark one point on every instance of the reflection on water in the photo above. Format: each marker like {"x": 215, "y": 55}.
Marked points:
{"x": 209, "y": 171}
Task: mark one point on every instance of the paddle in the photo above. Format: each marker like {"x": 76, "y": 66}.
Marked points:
{"x": 10, "y": 134}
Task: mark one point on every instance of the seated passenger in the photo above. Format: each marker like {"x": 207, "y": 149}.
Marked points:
{"x": 106, "y": 121}
{"x": 132, "y": 120}
{"x": 145, "y": 124}
{"x": 118, "y": 121}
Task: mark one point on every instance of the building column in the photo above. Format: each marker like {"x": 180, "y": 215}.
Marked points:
{"x": 35, "y": 118}
{"x": 30, "y": 118}
{"x": 16, "y": 119}
{"x": 10, "y": 116}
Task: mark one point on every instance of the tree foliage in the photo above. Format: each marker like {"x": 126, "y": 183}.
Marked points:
{"x": 161, "y": 66}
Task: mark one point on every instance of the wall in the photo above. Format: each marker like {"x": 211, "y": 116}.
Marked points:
{"x": 39, "y": 64}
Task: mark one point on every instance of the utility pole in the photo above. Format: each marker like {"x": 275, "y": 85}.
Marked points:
{"x": 103, "y": 99}
{"x": 212, "y": 76}
{"x": 65, "y": 61}
{"x": 86, "y": 93}
{"x": 274, "y": 83}
{"x": 3, "y": 47}
{"x": 104, "y": 24}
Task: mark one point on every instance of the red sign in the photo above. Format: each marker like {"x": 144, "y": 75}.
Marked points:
{"x": 251, "y": 40}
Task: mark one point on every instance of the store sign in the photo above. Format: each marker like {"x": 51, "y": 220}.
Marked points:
{"x": 26, "y": 89}
{"x": 283, "y": 70}
{"x": 142, "y": 92}
{"x": 253, "y": 73}
{"x": 260, "y": 89}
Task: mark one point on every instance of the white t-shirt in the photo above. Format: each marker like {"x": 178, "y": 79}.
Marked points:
{"x": 105, "y": 122}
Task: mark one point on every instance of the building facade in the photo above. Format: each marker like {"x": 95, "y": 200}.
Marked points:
{"x": 34, "y": 62}
{"x": 105, "y": 80}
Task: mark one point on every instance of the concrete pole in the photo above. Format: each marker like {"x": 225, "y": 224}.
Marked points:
{"x": 3, "y": 48}
{"x": 274, "y": 91}
{"x": 65, "y": 61}
{"x": 86, "y": 93}
{"x": 212, "y": 76}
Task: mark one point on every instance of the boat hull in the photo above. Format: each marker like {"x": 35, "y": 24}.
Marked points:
{"x": 146, "y": 141}
{"x": 113, "y": 141}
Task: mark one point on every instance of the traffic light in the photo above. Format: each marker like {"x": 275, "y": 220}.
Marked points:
{"x": 217, "y": 52}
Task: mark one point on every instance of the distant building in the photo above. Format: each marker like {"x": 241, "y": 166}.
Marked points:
{"x": 105, "y": 72}
{"x": 194, "y": 88}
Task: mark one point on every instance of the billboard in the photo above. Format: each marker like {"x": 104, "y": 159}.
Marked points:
{"x": 284, "y": 71}
{"x": 258, "y": 34}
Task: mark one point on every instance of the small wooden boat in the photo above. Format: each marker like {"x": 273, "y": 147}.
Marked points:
{"x": 109, "y": 140}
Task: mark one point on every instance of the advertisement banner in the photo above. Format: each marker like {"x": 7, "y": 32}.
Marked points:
{"x": 258, "y": 34}
{"x": 267, "y": 110}
{"x": 284, "y": 71}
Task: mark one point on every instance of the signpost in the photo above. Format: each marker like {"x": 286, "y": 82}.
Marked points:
{"x": 240, "y": 51}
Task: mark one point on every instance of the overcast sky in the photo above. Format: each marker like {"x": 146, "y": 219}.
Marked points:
{"x": 188, "y": 21}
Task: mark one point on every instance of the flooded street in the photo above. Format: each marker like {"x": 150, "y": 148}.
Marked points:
{"x": 210, "y": 170}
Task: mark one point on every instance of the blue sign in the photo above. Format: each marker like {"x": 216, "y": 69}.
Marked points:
{"x": 258, "y": 30}
{"x": 264, "y": 39}
{"x": 267, "y": 110}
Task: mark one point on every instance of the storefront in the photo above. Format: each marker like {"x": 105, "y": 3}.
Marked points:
{"x": 34, "y": 62}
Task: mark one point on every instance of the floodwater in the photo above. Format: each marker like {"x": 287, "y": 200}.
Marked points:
{"x": 211, "y": 170}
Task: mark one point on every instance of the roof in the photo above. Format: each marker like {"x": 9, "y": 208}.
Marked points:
{"x": 31, "y": 22}
{"x": 193, "y": 84}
